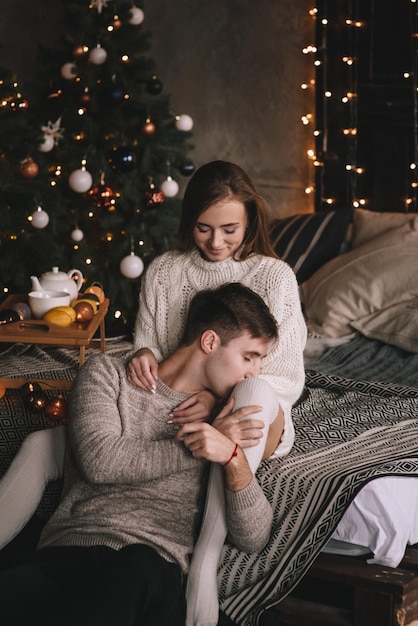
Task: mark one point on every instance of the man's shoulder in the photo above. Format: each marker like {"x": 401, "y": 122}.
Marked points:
{"x": 100, "y": 362}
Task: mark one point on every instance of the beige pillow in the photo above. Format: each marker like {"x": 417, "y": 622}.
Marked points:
{"x": 396, "y": 325}
{"x": 370, "y": 224}
{"x": 365, "y": 280}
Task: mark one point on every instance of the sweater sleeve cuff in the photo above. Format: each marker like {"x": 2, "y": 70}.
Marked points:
{"x": 245, "y": 498}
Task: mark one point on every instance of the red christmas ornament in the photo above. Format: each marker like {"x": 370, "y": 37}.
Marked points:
{"x": 84, "y": 98}
{"x": 154, "y": 196}
{"x": 28, "y": 168}
{"x": 149, "y": 127}
{"x": 56, "y": 409}
{"x": 84, "y": 312}
{"x": 35, "y": 401}
{"x": 103, "y": 197}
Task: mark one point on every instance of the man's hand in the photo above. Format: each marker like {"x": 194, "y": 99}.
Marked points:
{"x": 245, "y": 432}
{"x": 216, "y": 442}
{"x": 142, "y": 370}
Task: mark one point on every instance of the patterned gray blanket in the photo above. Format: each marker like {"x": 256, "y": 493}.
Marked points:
{"x": 347, "y": 433}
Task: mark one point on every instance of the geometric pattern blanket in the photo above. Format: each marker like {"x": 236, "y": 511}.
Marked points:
{"x": 347, "y": 433}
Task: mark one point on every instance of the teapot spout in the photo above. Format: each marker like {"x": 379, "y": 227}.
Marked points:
{"x": 36, "y": 285}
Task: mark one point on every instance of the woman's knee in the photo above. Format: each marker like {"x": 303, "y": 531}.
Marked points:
{"x": 258, "y": 392}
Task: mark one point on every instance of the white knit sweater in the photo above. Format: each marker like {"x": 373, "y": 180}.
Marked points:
{"x": 172, "y": 280}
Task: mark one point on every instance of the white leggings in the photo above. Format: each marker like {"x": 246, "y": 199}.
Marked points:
{"x": 41, "y": 459}
{"x": 202, "y": 586}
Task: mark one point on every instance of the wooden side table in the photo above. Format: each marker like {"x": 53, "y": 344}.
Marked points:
{"x": 41, "y": 332}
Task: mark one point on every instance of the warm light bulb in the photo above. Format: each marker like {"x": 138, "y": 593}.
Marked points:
{"x": 309, "y": 49}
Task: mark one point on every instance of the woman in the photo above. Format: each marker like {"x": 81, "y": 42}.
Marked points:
{"x": 223, "y": 237}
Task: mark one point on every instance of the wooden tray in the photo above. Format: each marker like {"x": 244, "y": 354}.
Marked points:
{"x": 41, "y": 332}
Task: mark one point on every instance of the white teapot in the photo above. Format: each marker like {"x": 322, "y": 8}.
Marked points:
{"x": 59, "y": 281}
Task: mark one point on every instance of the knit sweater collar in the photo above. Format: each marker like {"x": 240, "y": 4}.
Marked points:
{"x": 176, "y": 396}
{"x": 215, "y": 266}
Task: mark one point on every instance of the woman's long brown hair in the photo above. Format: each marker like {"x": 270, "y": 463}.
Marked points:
{"x": 217, "y": 181}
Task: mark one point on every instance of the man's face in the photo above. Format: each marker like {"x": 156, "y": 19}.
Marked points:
{"x": 239, "y": 359}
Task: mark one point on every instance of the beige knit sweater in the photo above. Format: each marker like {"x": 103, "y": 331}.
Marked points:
{"x": 172, "y": 280}
{"x": 128, "y": 481}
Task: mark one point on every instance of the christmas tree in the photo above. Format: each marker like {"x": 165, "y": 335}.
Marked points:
{"x": 91, "y": 157}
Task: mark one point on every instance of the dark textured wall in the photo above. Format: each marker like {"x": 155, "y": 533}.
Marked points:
{"x": 235, "y": 66}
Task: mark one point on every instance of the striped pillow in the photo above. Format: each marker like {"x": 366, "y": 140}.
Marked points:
{"x": 308, "y": 240}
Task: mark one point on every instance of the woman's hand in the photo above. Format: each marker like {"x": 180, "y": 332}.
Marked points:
{"x": 197, "y": 408}
{"x": 142, "y": 370}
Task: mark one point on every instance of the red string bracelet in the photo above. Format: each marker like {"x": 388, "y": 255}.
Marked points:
{"x": 235, "y": 453}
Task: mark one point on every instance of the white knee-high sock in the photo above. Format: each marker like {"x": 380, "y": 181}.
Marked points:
{"x": 202, "y": 585}
{"x": 39, "y": 460}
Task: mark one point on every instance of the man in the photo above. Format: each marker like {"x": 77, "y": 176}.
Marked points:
{"x": 117, "y": 548}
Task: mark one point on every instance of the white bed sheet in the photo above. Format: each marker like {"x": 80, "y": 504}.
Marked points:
{"x": 383, "y": 517}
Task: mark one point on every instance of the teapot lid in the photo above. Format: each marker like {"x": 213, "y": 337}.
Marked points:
{"x": 55, "y": 274}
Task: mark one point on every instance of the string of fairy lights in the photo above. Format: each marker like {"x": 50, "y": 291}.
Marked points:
{"x": 321, "y": 123}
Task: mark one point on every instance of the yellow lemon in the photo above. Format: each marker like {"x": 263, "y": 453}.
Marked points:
{"x": 60, "y": 315}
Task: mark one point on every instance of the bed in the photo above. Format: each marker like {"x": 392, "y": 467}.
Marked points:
{"x": 355, "y": 421}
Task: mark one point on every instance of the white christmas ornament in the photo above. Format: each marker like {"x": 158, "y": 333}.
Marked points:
{"x": 80, "y": 180}
{"x": 77, "y": 234}
{"x": 137, "y": 16}
{"x": 98, "y": 55}
{"x": 131, "y": 266}
{"x": 184, "y": 122}
{"x": 46, "y": 144}
{"x": 39, "y": 218}
{"x": 169, "y": 187}
{"x": 69, "y": 71}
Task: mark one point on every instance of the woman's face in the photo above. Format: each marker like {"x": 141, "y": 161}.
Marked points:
{"x": 220, "y": 230}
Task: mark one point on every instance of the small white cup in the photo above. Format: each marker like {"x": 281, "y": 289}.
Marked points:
{"x": 42, "y": 301}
